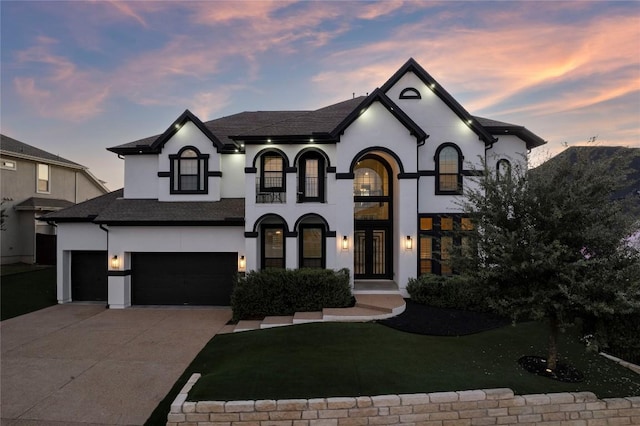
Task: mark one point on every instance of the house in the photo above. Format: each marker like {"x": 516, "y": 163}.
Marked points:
{"x": 368, "y": 184}
{"x": 36, "y": 182}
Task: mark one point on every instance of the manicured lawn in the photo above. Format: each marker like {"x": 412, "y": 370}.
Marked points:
{"x": 24, "y": 289}
{"x": 351, "y": 359}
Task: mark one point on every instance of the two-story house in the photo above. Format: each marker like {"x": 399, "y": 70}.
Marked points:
{"x": 36, "y": 182}
{"x": 369, "y": 184}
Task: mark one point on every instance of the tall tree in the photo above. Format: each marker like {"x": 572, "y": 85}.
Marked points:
{"x": 550, "y": 241}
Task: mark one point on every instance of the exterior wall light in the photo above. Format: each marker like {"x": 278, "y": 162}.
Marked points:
{"x": 242, "y": 264}
{"x": 115, "y": 262}
{"x": 408, "y": 243}
{"x": 345, "y": 243}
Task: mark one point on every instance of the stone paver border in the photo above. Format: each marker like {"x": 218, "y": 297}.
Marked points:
{"x": 461, "y": 408}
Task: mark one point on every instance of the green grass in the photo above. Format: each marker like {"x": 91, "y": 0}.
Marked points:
{"x": 342, "y": 359}
{"x": 24, "y": 289}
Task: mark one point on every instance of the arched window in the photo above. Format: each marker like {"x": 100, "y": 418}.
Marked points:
{"x": 189, "y": 172}
{"x": 272, "y": 172}
{"x": 503, "y": 168}
{"x": 410, "y": 93}
{"x": 448, "y": 169}
{"x": 311, "y": 178}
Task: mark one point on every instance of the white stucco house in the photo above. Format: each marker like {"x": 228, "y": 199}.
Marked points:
{"x": 368, "y": 184}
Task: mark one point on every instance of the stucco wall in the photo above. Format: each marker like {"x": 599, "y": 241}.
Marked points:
{"x": 463, "y": 408}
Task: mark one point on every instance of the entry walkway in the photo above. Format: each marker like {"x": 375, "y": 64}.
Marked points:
{"x": 84, "y": 364}
{"x": 370, "y": 306}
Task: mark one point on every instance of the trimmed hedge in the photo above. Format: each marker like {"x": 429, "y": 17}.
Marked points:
{"x": 284, "y": 292}
{"x": 455, "y": 292}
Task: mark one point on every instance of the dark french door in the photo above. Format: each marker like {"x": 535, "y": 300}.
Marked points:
{"x": 372, "y": 238}
{"x": 372, "y": 251}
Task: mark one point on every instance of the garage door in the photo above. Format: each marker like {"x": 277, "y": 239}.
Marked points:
{"x": 182, "y": 278}
{"x": 89, "y": 275}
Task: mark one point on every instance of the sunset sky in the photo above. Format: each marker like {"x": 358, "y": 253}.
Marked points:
{"x": 78, "y": 77}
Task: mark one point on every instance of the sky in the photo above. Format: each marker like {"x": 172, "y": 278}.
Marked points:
{"x": 80, "y": 76}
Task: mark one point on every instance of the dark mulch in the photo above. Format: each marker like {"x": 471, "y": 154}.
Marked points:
{"x": 563, "y": 372}
{"x": 422, "y": 319}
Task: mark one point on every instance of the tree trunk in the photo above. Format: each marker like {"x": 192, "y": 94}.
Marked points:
{"x": 552, "y": 357}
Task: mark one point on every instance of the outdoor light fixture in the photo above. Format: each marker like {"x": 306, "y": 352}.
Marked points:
{"x": 115, "y": 262}
{"x": 408, "y": 243}
{"x": 242, "y": 264}
{"x": 345, "y": 243}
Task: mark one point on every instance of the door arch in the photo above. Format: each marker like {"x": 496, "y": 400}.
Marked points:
{"x": 373, "y": 218}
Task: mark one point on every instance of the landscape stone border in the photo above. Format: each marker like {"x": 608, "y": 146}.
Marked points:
{"x": 461, "y": 408}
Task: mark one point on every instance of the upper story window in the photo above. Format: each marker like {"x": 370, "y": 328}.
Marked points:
{"x": 272, "y": 173}
{"x": 410, "y": 93}
{"x": 503, "y": 168}
{"x": 311, "y": 178}
{"x": 448, "y": 169}
{"x": 189, "y": 172}
{"x": 44, "y": 183}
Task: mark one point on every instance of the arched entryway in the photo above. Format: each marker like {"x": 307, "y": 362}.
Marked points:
{"x": 373, "y": 221}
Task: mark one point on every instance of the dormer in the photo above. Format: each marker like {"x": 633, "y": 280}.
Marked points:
{"x": 182, "y": 164}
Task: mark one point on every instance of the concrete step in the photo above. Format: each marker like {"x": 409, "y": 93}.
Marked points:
{"x": 277, "y": 321}
{"x": 375, "y": 287}
{"x": 353, "y": 314}
{"x": 229, "y": 328}
{"x": 390, "y": 303}
{"x": 247, "y": 326}
{"x": 305, "y": 317}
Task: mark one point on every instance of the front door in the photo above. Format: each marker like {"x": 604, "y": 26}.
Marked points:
{"x": 372, "y": 219}
{"x": 371, "y": 249}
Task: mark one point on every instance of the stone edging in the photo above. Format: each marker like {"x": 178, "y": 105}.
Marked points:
{"x": 633, "y": 367}
{"x": 462, "y": 408}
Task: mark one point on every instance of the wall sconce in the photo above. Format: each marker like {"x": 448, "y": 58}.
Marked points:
{"x": 115, "y": 262}
{"x": 345, "y": 243}
{"x": 242, "y": 264}
{"x": 408, "y": 243}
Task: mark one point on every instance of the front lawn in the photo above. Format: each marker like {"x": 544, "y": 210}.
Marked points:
{"x": 351, "y": 359}
{"x": 25, "y": 288}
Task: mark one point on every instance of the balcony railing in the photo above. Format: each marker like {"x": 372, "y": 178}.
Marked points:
{"x": 269, "y": 193}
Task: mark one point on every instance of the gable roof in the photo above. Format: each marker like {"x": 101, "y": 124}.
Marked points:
{"x": 325, "y": 125}
{"x": 154, "y": 145}
{"x": 412, "y": 66}
{"x": 379, "y": 96}
{"x": 14, "y": 148}
{"x": 19, "y": 149}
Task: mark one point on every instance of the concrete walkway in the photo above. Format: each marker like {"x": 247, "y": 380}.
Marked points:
{"x": 84, "y": 364}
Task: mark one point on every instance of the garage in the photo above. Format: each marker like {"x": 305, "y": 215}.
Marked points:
{"x": 89, "y": 276}
{"x": 182, "y": 278}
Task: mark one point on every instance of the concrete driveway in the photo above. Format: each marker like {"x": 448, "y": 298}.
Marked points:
{"x": 84, "y": 364}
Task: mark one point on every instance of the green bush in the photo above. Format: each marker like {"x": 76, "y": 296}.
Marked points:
{"x": 618, "y": 335}
{"x": 456, "y": 292}
{"x": 284, "y": 292}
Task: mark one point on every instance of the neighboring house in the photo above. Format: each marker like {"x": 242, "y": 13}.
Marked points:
{"x": 36, "y": 182}
{"x": 368, "y": 184}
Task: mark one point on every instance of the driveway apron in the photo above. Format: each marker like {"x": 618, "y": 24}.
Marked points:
{"x": 84, "y": 364}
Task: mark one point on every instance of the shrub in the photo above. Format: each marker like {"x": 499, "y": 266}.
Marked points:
{"x": 618, "y": 335}
{"x": 284, "y": 292}
{"x": 456, "y": 292}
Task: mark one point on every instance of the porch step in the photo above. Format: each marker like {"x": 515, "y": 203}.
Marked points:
{"x": 375, "y": 287}
{"x": 390, "y": 303}
{"x": 306, "y": 317}
{"x": 247, "y": 326}
{"x": 368, "y": 307}
{"x": 270, "y": 322}
{"x": 229, "y": 328}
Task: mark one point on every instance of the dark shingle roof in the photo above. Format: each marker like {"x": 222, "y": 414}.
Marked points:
{"x": 39, "y": 203}
{"x": 498, "y": 128}
{"x": 111, "y": 208}
{"x": 227, "y": 211}
{"x": 85, "y": 212}
{"x": 12, "y": 146}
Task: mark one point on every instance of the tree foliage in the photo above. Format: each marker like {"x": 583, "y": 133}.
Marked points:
{"x": 550, "y": 242}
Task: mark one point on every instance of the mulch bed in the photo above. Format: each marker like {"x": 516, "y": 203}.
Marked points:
{"x": 422, "y": 319}
{"x": 563, "y": 372}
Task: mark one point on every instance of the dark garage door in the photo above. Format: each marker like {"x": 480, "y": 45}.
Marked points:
{"x": 182, "y": 278}
{"x": 89, "y": 275}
